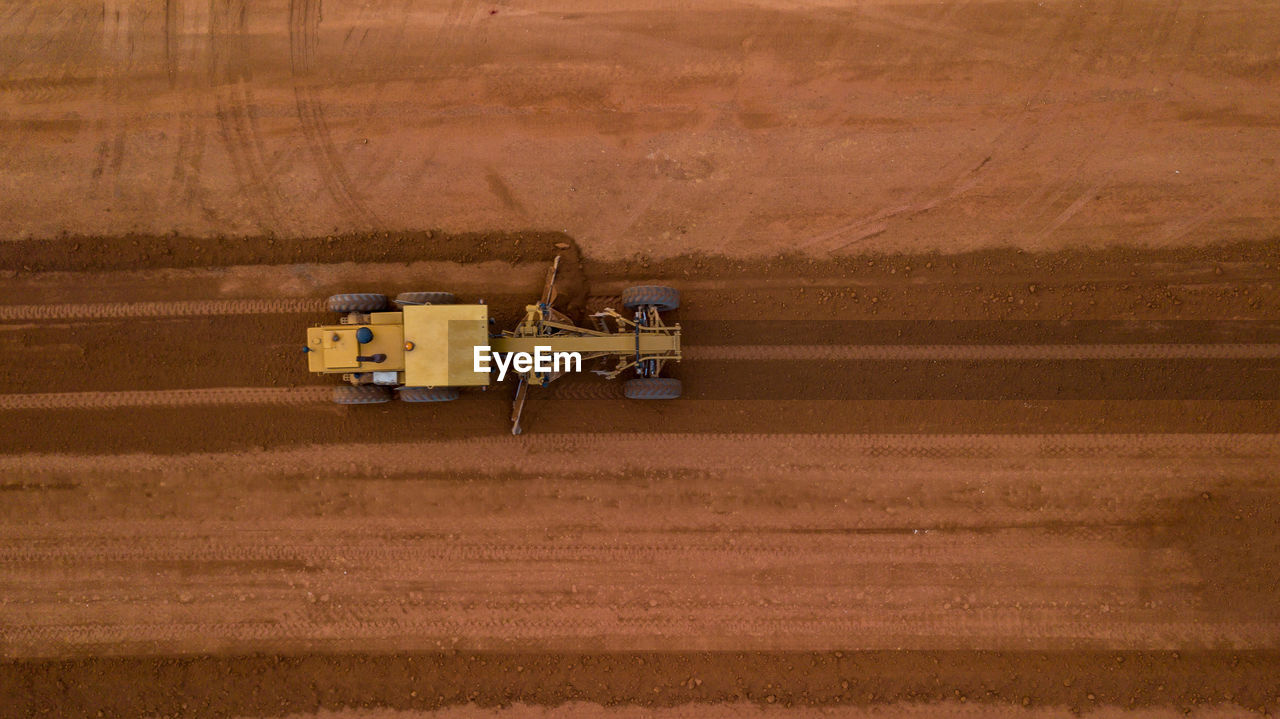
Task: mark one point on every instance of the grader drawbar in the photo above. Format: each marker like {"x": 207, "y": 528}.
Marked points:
{"x": 425, "y": 347}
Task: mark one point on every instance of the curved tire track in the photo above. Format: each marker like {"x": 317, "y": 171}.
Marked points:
{"x": 304, "y": 26}
{"x": 230, "y": 74}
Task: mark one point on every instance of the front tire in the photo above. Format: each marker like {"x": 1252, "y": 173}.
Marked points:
{"x": 652, "y": 388}
{"x": 660, "y": 296}
{"x": 428, "y": 394}
{"x": 361, "y": 394}
{"x": 357, "y": 302}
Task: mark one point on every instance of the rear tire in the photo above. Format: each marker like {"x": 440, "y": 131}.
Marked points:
{"x": 361, "y": 394}
{"x": 428, "y": 394}
{"x": 426, "y": 298}
{"x": 652, "y": 388}
{"x": 357, "y": 302}
{"x": 660, "y": 296}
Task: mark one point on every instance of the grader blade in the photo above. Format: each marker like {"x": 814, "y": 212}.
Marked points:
{"x": 517, "y": 406}
{"x": 549, "y": 289}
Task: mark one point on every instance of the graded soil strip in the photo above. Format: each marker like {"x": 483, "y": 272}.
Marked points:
{"x": 167, "y": 398}
{"x": 745, "y": 373}
{"x": 752, "y": 542}
{"x": 229, "y": 428}
{"x": 468, "y": 685}
{"x": 592, "y": 452}
{"x": 955, "y": 708}
{"x": 979, "y": 352}
{"x": 124, "y": 310}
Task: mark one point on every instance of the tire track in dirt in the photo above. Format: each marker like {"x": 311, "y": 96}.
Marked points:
{"x": 746, "y": 369}
{"x": 115, "y": 59}
{"x": 187, "y": 24}
{"x": 74, "y": 49}
{"x": 517, "y": 629}
{"x": 176, "y": 308}
{"x": 230, "y": 72}
{"x": 167, "y": 398}
{"x": 1068, "y": 189}
{"x": 965, "y": 169}
{"x": 980, "y": 352}
{"x": 193, "y": 308}
{"x": 1214, "y": 206}
{"x": 172, "y": 20}
{"x": 304, "y": 26}
{"x": 579, "y": 452}
{"x": 584, "y": 388}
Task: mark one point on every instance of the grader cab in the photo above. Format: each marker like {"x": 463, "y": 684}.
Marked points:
{"x": 424, "y": 347}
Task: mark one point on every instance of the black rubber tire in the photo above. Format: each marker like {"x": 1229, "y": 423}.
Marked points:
{"x": 358, "y": 302}
{"x": 660, "y": 296}
{"x": 426, "y": 298}
{"x": 652, "y": 388}
{"x": 428, "y": 394}
{"x": 361, "y": 394}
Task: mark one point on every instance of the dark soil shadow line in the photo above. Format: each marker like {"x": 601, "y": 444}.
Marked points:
{"x": 1232, "y": 542}
{"x": 270, "y": 685}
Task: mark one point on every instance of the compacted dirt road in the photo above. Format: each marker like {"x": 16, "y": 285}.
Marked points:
{"x": 893, "y": 479}
{"x": 981, "y": 382}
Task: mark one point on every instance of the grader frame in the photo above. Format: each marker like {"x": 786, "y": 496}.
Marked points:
{"x": 642, "y": 342}
{"x": 425, "y": 350}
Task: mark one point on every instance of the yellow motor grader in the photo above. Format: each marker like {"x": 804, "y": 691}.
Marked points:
{"x": 424, "y": 347}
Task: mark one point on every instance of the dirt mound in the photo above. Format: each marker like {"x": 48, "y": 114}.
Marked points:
{"x": 133, "y": 252}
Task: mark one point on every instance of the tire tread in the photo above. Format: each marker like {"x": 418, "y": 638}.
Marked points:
{"x": 652, "y": 388}
{"x": 357, "y": 302}
{"x": 660, "y": 296}
{"x": 428, "y": 394}
{"x": 361, "y": 394}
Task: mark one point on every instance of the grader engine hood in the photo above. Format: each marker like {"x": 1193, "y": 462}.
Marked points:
{"x": 428, "y": 345}
{"x": 444, "y": 338}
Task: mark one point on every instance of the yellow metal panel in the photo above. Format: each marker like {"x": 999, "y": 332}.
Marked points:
{"x": 330, "y": 355}
{"x": 613, "y": 344}
{"x": 339, "y": 348}
{"x": 444, "y": 338}
{"x": 385, "y": 318}
{"x": 387, "y": 339}
{"x": 315, "y": 343}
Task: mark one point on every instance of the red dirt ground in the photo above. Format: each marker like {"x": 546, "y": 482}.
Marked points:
{"x": 181, "y": 182}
